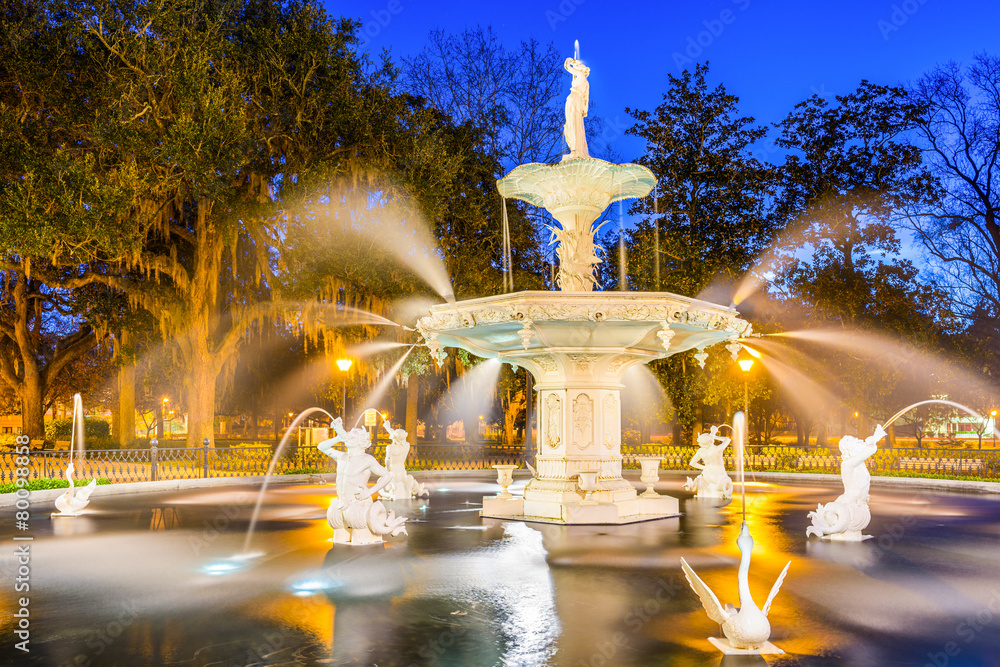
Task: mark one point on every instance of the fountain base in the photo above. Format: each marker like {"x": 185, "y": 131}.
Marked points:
{"x": 632, "y": 510}
{"x": 767, "y": 648}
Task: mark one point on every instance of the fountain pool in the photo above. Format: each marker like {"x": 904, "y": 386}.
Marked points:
{"x": 146, "y": 580}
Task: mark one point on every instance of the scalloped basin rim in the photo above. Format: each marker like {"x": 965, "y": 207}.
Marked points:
{"x": 583, "y": 298}
{"x": 532, "y": 182}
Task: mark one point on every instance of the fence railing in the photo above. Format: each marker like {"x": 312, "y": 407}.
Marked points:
{"x": 885, "y": 461}
{"x": 169, "y": 463}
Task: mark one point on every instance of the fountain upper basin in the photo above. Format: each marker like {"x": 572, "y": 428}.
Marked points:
{"x": 530, "y": 328}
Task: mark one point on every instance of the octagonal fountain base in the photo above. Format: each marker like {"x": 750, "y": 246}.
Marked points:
{"x": 580, "y": 512}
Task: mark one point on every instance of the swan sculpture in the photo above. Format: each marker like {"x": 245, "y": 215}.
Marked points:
{"x": 74, "y": 500}
{"x": 746, "y": 627}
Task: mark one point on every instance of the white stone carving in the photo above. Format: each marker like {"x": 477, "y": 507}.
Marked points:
{"x": 583, "y": 421}
{"x": 526, "y": 333}
{"x": 701, "y": 356}
{"x": 546, "y": 363}
{"x": 848, "y": 515}
{"x": 714, "y": 481}
{"x": 583, "y": 363}
{"x": 355, "y": 518}
{"x": 612, "y": 434}
{"x": 665, "y": 334}
{"x": 576, "y": 109}
{"x": 402, "y": 485}
{"x": 553, "y": 420}
{"x": 746, "y": 626}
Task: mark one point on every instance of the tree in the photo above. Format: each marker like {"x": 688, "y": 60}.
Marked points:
{"x": 849, "y": 172}
{"x": 958, "y": 129}
{"x": 209, "y": 123}
{"x": 62, "y": 201}
{"x": 707, "y": 219}
{"x": 709, "y": 215}
{"x": 512, "y": 98}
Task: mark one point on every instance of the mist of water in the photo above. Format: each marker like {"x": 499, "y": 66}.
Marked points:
{"x": 975, "y": 415}
{"x": 384, "y": 215}
{"x": 782, "y": 363}
{"x": 374, "y": 397}
{"x": 364, "y": 350}
{"x": 882, "y": 350}
{"x": 469, "y": 397}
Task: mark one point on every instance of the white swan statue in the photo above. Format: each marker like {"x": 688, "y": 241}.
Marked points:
{"x": 74, "y": 500}
{"x": 746, "y": 627}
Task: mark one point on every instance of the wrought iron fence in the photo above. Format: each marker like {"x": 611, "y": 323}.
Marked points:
{"x": 886, "y": 461}
{"x": 168, "y": 463}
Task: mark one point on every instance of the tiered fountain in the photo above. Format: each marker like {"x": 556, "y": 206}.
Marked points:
{"x": 578, "y": 343}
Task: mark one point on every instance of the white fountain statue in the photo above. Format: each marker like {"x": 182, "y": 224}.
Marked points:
{"x": 578, "y": 343}
{"x": 402, "y": 485}
{"x": 74, "y": 500}
{"x": 714, "y": 481}
{"x": 746, "y": 627}
{"x": 848, "y": 515}
{"x": 354, "y": 516}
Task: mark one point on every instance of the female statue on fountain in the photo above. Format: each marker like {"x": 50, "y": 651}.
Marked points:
{"x": 354, "y": 516}
{"x": 576, "y": 109}
{"x": 714, "y": 481}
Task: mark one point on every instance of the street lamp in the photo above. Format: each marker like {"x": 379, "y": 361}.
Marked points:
{"x": 344, "y": 365}
{"x": 993, "y": 414}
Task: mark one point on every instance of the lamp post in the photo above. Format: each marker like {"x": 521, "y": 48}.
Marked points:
{"x": 746, "y": 363}
{"x": 993, "y": 426}
{"x": 344, "y": 365}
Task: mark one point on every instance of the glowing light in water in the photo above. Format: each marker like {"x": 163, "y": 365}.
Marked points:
{"x": 270, "y": 470}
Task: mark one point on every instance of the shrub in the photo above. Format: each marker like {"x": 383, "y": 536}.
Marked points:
{"x": 62, "y": 429}
{"x": 43, "y": 483}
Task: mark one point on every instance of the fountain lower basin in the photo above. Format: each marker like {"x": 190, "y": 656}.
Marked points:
{"x": 577, "y": 346}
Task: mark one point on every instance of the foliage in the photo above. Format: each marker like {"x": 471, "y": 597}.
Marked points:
{"x": 42, "y": 483}
{"x": 957, "y": 129}
{"x": 708, "y": 217}
{"x": 63, "y": 429}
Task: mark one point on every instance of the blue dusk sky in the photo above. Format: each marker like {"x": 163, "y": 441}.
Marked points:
{"x": 772, "y": 55}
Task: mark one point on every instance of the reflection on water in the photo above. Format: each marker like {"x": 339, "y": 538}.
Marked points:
{"x": 132, "y": 583}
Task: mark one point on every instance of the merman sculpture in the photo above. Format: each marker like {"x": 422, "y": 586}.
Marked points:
{"x": 714, "y": 481}
{"x": 401, "y": 485}
{"x": 848, "y": 515}
{"x": 354, "y": 516}
{"x": 746, "y": 627}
